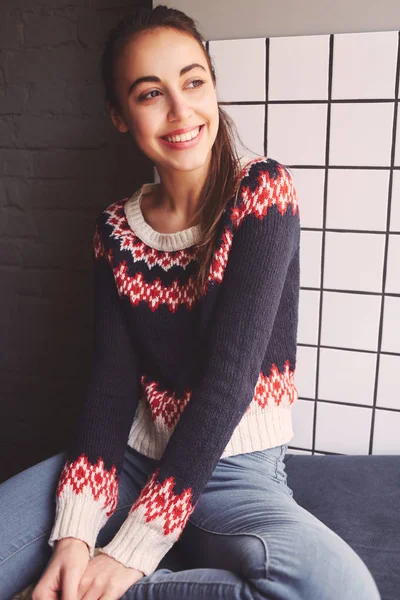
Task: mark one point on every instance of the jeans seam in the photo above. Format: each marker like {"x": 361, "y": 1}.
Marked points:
{"x": 191, "y": 583}
{"x": 264, "y": 543}
{"x": 44, "y": 534}
{"x": 22, "y": 547}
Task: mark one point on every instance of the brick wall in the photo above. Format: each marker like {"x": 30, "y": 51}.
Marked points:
{"x": 61, "y": 163}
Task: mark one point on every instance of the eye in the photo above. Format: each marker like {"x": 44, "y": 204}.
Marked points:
{"x": 146, "y": 96}
{"x": 197, "y": 81}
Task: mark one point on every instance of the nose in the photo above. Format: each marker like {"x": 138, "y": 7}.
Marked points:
{"x": 179, "y": 109}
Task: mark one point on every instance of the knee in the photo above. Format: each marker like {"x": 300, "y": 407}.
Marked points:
{"x": 319, "y": 565}
{"x": 340, "y": 571}
{"x": 346, "y": 575}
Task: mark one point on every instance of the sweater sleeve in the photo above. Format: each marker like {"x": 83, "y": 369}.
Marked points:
{"x": 87, "y": 491}
{"x": 264, "y": 244}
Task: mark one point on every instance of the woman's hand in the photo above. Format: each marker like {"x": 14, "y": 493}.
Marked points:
{"x": 75, "y": 575}
{"x": 106, "y": 578}
{"x": 64, "y": 571}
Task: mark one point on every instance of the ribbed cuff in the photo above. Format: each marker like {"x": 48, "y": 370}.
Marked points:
{"x": 140, "y": 545}
{"x": 79, "y": 517}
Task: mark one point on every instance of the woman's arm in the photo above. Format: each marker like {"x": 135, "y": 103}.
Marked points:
{"x": 87, "y": 490}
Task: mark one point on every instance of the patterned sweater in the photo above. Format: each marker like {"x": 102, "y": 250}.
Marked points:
{"x": 183, "y": 378}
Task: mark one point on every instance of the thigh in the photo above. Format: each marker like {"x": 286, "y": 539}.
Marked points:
{"x": 27, "y": 516}
{"x": 248, "y": 521}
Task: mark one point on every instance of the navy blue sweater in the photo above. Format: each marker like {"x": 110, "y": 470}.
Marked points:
{"x": 183, "y": 378}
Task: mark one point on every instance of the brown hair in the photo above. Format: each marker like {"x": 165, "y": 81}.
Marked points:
{"x": 221, "y": 182}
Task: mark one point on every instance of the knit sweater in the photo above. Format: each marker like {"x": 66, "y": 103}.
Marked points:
{"x": 182, "y": 377}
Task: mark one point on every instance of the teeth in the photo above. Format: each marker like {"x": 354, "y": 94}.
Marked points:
{"x": 184, "y": 137}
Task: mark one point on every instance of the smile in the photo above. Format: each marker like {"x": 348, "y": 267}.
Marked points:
{"x": 184, "y": 137}
{"x": 185, "y": 141}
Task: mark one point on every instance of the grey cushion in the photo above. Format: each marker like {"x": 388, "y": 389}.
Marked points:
{"x": 358, "y": 497}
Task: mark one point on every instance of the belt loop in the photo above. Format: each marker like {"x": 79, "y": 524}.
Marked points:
{"x": 283, "y": 450}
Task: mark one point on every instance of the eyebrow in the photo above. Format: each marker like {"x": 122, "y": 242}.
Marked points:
{"x": 155, "y": 79}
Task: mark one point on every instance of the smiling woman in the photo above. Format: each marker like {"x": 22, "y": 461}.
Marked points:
{"x": 157, "y": 96}
{"x": 181, "y": 438}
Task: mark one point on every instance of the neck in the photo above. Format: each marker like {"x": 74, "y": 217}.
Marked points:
{"x": 178, "y": 193}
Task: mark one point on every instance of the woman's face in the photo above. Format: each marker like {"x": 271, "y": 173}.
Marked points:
{"x": 152, "y": 109}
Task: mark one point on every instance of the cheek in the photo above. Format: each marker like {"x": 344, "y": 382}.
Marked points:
{"x": 145, "y": 125}
{"x": 142, "y": 130}
{"x": 212, "y": 110}
{"x": 214, "y": 119}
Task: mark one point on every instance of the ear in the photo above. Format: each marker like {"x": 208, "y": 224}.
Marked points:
{"x": 116, "y": 118}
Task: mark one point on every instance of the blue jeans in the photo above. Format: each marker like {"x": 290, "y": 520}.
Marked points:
{"x": 247, "y": 538}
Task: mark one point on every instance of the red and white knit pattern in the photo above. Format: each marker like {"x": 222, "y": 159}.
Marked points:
{"x": 279, "y": 192}
{"x": 82, "y": 477}
{"x": 155, "y": 521}
{"x": 140, "y": 251}
{"x": 87, "y": 496}
{"x": 163, "y": 405}
{"x": 275, "y": 388}
{"x": 154, "y": 293}
{"x": 160, "y": 503}
{"x": 268, "y": 414}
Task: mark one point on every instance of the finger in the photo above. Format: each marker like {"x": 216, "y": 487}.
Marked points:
{"x": 93, "y": 594}
{"x": 40, "y": 593}
{"x": 70, "y": 583}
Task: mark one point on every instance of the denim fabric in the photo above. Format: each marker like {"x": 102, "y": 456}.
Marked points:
{"x": 246, "y": 539}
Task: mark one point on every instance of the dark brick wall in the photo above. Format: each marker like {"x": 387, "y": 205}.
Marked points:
{"x": 61, "y": 163}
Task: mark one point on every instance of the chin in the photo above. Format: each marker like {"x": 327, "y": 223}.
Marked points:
{"x": 184, "y": 162}
{"x": 192, "y": 163}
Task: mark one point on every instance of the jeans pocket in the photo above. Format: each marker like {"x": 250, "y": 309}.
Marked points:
{"x": 270, "y": 460}
{"x": 267, "y": 462}
{"x": 275, "y": 456}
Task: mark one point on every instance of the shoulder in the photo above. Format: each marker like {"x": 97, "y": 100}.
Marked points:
{"x": 267, "y": 164}
{"x": 265, "y": 186}
{"x": 106, "y": 223}
{"x": 114, "y": 212}
{"x": 112, "y": 219}
{"x": 265, "y": 172}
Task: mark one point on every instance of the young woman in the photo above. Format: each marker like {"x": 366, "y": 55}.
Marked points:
{"x": 187, "y": 419}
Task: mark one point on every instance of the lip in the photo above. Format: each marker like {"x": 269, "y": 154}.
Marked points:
{"x": 184, "y": 130}
{"x": 184, "y": 145}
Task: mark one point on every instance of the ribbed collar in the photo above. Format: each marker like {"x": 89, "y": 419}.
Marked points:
{"x": 154, "y": 239}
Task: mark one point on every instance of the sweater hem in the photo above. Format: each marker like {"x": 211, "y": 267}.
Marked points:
{"x": 259, "y": 429}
